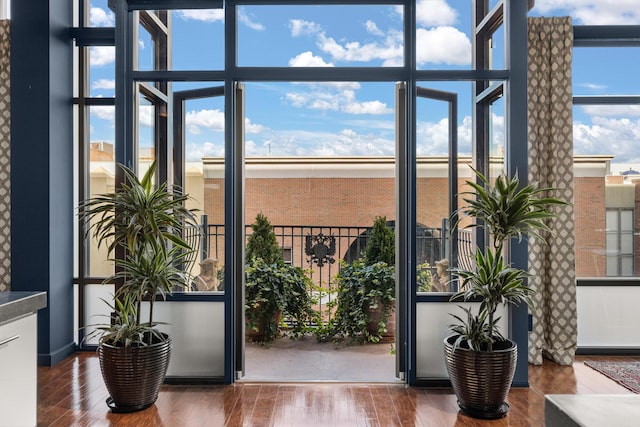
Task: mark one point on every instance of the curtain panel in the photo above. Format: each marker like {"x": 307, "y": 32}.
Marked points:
{"x": 5, "y": 156}
{"x": 552, "y": 265}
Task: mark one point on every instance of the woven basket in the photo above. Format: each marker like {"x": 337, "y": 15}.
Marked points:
{"x": 480, "y": 379}
{"x": 133, "y": 375}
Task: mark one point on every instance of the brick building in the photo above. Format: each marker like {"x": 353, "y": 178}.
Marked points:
{"x": 351, "y": 192}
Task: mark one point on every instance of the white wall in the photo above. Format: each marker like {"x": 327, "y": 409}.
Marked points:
{"x": 432, "y": 326}
{"x": 197, "y": 332}
{"x": 608, "y": 316}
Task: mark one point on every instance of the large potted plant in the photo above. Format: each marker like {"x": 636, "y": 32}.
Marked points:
{"x": 142, "y": 228}
{"x": 365, "y": 309}
{"x": 479, "y": 359}
{"x": 274, "y": 290}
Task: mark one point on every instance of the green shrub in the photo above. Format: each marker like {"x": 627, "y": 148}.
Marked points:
{"x": 274, "y": 289}
{"x": 361, "y": 288}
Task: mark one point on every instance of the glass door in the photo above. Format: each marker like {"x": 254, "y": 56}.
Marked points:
{"x": 436, "y": 237}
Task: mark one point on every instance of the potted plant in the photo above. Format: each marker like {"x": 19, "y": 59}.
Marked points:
{"x": 366, "y": 290}
{"x": 479, "y": 359}
{"x": 274, "y": 290}
{"x": 145, "y": 226}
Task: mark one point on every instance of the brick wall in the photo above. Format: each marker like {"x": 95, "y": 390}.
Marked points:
{"x": 590, "y": 231}
{"x": 357, "y": 201}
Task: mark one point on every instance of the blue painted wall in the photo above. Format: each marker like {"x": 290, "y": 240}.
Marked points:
{"x": 42, "y": 166}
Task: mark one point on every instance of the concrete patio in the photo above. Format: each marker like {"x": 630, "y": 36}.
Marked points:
{"x": 306, "y": 360}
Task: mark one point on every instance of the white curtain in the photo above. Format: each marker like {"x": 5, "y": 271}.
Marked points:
{"x": 552, "y": 265}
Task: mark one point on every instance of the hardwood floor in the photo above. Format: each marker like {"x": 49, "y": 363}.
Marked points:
{"x": 72, "y": 394}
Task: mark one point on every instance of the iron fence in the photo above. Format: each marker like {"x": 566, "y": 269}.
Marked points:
{"x": 320, "y": 250}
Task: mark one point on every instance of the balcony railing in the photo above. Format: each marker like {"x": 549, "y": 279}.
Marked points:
{"x": 320, "y": 249}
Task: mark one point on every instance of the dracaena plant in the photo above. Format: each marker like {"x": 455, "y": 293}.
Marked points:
{"x": 504, "y": 210}
{"x": 147, "y": 223}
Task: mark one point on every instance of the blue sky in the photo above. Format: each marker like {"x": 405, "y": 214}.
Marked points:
{"x": 357, "y": 118}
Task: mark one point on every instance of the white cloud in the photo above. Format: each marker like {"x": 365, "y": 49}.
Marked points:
{"x": 102, "y": 55}
{"x": 335, "y": 85}
{"x": 315, "y": 100}
{"x": 433, "y": 137}
{"x": 443, "y": 45}
{"x": 308, "y": 59}
{"x": 206, "y": 149}
{"x": 246, "y": 20}
{"x": 104, "y": 84}
{"x": 208, "y": 15}
{"x": 301, "y": 27}
{"x": 612, "y": 110}
{"x": 434, "y": 13}
{"x": 101, "y": 18}
{"x": 296, "y": 99}
{"x": 593, "y": 12}
{"x": 593, "y": 86}
{"x": 209, "y": 119}
{"x": 146, "y": 115}
{"x": 252, "y": 128}
{"x": 368, "y": 107}
{"x": 390, "y": 50}
{"x": 103, "y": 112}
{"x": 346, "y": 142}
{"x": 327, "y": 98}
{"x": 372, "y": 28}
{"x": 465, "y": 136}
{"x": 617, "y": 136}
{"x": 213, "y": 120}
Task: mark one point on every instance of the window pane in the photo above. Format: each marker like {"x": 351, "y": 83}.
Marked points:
{"x": 612, "y": 266}
{"x": 612, "y": 220}
{"x": 102, "y": 61}
{"x": 101, "y": 176}
{"x": 146, "y": 133}
{"x": 626, "y": 220}
{"x": 203, "y": 128}
{"x": 626, "y": 243}
{"x": 626, "y": 267}
{"x": 197, "y": 39}
{"x": 432, "y": 185}
{"x": 320, "y": 36}
{"x": 443, "y": 35}
{"x": 600, "y": 71}
{"x": 100, "y": 15}
{"x": 613, "y": 244}
{"x": 590, "y": 12}
{"x": 145, "y": 50}
{"x": 606, "y": 170}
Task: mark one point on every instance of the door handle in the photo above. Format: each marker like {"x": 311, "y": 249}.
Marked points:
{"x": 8, "y": 340}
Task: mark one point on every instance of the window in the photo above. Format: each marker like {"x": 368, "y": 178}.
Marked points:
{"x": 620, "y": 247}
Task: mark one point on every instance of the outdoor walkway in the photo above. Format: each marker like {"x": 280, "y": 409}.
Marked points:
{"x": 307, "y": 360}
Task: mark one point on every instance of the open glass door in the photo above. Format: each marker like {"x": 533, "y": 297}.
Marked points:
{"x": 197, "y": 316}
{"x": 436, "y": 243}
{"x": 449, "y": 247}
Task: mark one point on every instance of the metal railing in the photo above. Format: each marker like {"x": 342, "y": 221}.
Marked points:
{"x": 321, "y": 250}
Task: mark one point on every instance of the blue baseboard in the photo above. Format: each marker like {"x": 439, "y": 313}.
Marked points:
{"x": 50, "y": 359}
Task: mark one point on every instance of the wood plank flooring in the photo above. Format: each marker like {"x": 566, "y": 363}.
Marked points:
{"x": 72, "y": 394}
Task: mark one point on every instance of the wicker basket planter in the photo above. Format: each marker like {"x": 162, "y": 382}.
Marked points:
{"x": 480, "y": 379}
{"x": 133, "y": 375}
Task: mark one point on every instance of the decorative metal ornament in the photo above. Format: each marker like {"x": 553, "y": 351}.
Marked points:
{"x": 320, "y": 249}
